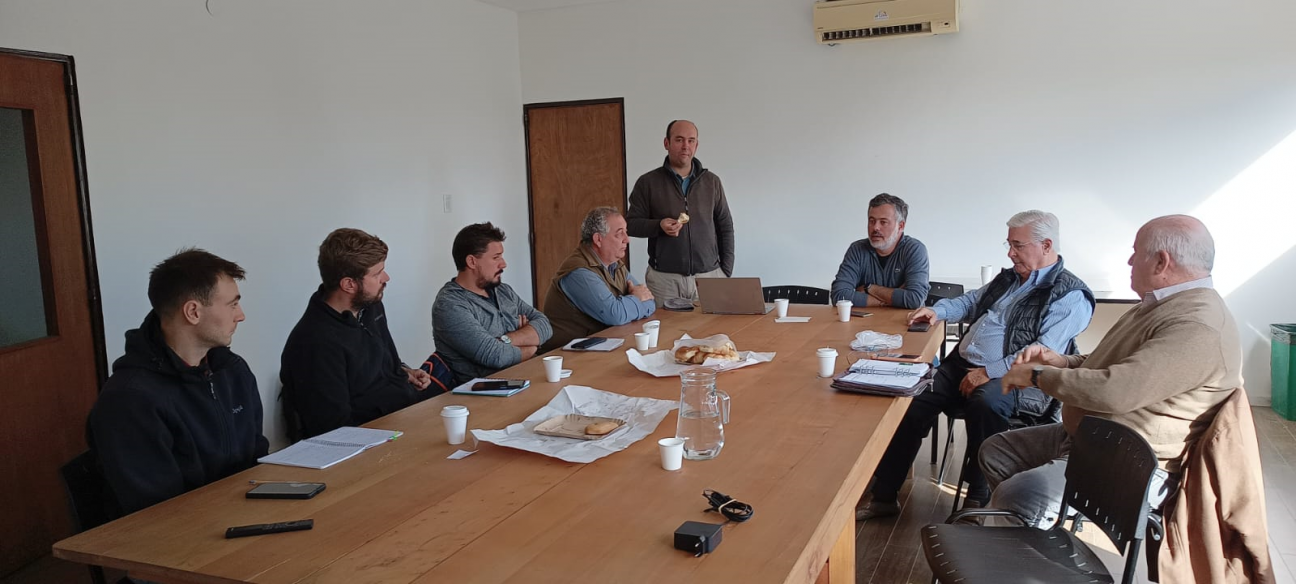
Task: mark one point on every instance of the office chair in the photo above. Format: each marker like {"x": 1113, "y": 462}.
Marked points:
{"x": 797, "y": 294}
{"x": 1108, "y": 477}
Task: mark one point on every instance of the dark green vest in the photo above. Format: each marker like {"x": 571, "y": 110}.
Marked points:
{"x": 567, "y": 320}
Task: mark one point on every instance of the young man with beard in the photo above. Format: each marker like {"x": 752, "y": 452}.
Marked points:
{"x": 887, "y": 269}
{"x": 480, "y": 325}
{"x": 180, "y": 410}
{"x": 340, "y": 366}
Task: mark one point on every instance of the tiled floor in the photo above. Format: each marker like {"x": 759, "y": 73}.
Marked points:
{"x": 888, "y": 551}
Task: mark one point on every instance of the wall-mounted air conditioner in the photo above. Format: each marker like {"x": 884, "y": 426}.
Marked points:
{"x": 842, "y": 21}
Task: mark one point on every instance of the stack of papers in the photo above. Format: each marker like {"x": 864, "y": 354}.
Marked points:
{"x": 885, "y": 378}
{"x": 330, "y": 448}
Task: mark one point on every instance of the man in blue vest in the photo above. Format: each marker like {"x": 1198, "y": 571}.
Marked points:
{"x": 1036, "y": 302}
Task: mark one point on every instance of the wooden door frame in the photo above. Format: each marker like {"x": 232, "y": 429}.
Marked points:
{"x": 83, "y": 204}
{"x": 526, "y": 139}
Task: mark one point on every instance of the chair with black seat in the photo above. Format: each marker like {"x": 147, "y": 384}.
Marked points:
{"x": 798, "y": 294}
{"x": 1051, "y": 415}
{"x": 1108, "y": 477}
{"x": 87, "y": 492}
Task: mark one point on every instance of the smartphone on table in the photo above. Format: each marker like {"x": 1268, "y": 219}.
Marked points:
{"x": 498, "y": 385}
{"x": 285, "y": 490}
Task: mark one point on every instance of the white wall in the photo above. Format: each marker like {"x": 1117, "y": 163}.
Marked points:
{"x": 255, "y": 130}
{"x": 1107, "y": 113}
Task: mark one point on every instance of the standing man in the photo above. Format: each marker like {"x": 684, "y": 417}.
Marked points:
{"x": 887, "y": 269}
{"x": 1162, "y": 370}
{"x": 181, "y": 410}
{"x": 682, "y": 210}
{"x": 593, "y": 288}
{"x": 340, "y": 366}
{"x": 1036, "y": 302}
{"x": 479, "y": 323}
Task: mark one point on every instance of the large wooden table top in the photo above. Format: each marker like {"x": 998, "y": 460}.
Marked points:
{"x": 799, "y": 452}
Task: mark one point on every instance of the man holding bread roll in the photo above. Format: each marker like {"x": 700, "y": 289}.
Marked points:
{"x": 681, "y": 208}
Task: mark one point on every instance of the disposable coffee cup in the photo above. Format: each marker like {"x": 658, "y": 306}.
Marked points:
{"x": 843, "y": 310}
{"x": 456, "y": 423}
{"x": 780, "y": 307}
{"x": 642, "y": 341}
{"x": 553, "y": 369}
{"x": 653, "y": 328}
{"x": 987, "y": 272}
{"x": 672, "y": 453}
{"x": 827, "y": 361}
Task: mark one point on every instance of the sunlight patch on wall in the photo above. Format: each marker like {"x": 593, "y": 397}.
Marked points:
{"x": 1253, "y": 217}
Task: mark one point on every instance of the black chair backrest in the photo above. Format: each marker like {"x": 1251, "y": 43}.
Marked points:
{"x": 943, "y": 290}
{"x": 1108, "y": 475}
{"x": 798, "y": 294}
{"x": 87, "y": 492}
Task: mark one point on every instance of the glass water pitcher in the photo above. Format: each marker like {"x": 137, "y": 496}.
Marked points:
{"x": 701, "y": 415}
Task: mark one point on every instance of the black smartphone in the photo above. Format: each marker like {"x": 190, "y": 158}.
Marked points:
{"x": 919, "y": 327}
{"x": 498, "y": 385}
{"x": 897, "y": 356}
{"x": 285, "y": 490}
{"x": 587, "y": 343}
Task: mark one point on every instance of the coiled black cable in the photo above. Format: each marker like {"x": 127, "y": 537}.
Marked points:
{"x": 733, "y": 509}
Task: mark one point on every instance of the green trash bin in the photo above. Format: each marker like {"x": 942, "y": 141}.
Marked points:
{"x": 1282, "y": 353}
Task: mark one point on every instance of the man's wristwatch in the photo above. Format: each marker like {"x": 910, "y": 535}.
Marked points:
{"x": 1035, "y": 373}
{"x": 506, "y": 339}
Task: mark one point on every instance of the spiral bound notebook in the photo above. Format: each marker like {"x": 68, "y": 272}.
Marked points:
{"x": 330, "y": 448}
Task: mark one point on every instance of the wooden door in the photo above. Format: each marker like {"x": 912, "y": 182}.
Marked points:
{"x": 575, "y": 162}
{"x": 51, "y": 330}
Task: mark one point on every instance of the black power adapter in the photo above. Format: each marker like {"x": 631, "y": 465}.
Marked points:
{"x": 698, "y": 538}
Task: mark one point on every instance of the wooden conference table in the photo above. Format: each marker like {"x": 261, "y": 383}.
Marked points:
{"x": 798, "y": 451}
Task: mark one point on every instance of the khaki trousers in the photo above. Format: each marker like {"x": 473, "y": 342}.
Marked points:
{"x": 665, "y": 285}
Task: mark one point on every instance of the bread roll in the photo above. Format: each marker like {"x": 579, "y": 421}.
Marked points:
{"x": 601, "y": 428}
{"x": 683, "y": 218}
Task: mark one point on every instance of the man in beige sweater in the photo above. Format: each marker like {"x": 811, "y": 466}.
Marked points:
{"x": 1162, "y": 369}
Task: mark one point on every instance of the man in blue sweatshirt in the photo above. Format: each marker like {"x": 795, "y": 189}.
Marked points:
{"x": 887, "y": 269}
{"x": 181, "y": 410}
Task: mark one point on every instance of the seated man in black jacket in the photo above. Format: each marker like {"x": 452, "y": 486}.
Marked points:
{"x": 180, "y": 410}
{"x": 340, "y": 366}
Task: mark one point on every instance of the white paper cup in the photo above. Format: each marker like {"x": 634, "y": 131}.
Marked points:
{"x": 553, "y": 368}
{"x": 987, "y": 273}
{"x": 653, "y": 328}
{"x": 827, "y": 361}
{"x": 672, "y": 453}
{"x": 780, "y": 307}
{"x": 456, "y": 423}
{"x": 843, "y": 310}
{"x": 642, "y": 341}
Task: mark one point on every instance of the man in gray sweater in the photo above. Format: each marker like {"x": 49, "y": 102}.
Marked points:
{"x": 480, "y": 325}
{"x": 681, "y": 208}
{"x": 887, "y": 269}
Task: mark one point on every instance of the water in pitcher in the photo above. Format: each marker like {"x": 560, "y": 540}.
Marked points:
{"x": 703, "y": 434}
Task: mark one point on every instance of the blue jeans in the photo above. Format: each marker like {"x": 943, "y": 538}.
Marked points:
{"x": 1026, "y": 470}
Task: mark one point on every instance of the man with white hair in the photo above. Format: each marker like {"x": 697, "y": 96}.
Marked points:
{"x": 1036, "y": 302}
{"x": 593, "y": 288}
{"x": 1161, "y": 370}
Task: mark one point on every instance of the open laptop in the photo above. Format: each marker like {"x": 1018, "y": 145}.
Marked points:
{"x": 732, "y": 296}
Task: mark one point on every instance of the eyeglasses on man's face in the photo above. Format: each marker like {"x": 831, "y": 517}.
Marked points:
{"x": 1018, "y": 246}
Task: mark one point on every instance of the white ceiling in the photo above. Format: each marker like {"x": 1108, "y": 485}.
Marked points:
{"x": 525, "y": 5}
